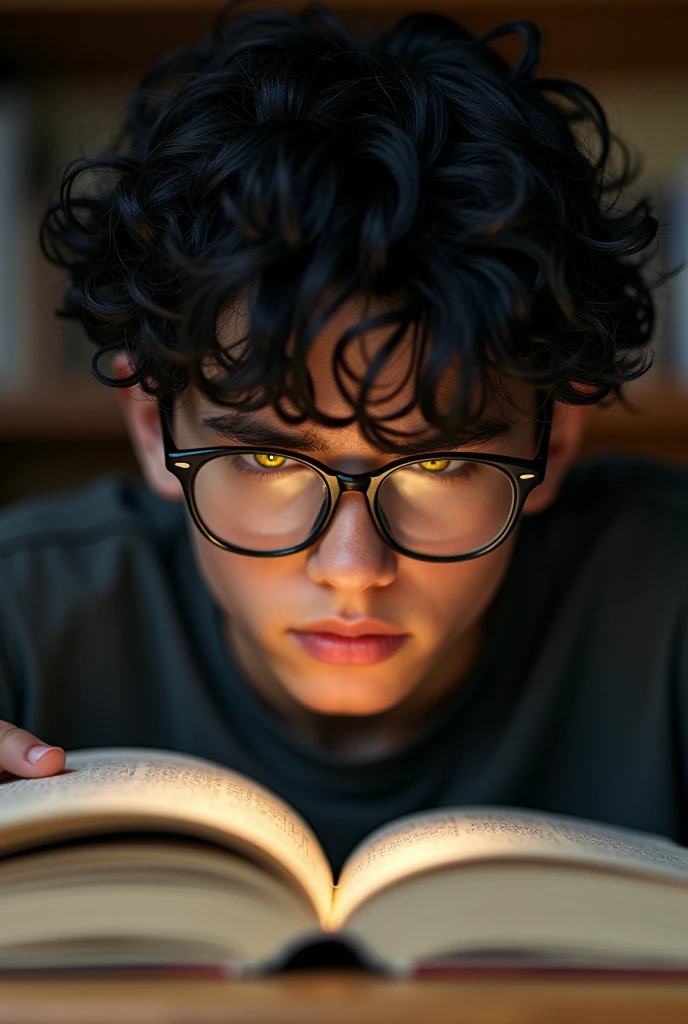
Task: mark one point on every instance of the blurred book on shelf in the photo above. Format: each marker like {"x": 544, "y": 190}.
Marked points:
{"x": 678, "y": 249}
{"x": 43, "y": 126}
{"x": 659, "y": 262}
{"x": 647, "y": 110}
{"x": 15, "y": 343}
{"x": 74, "y": 117}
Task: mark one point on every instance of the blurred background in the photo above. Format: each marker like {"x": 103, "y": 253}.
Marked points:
{"x": 66, "y": 67}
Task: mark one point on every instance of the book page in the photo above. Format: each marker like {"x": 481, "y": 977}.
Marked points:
{"x": 120, "y": 788}
{"x": 423, "y": 842}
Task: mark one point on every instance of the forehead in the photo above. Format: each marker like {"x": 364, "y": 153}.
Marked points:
{"x": 368, "y": 354}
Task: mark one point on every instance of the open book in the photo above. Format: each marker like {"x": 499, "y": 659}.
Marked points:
{"x": 147, "y": 857}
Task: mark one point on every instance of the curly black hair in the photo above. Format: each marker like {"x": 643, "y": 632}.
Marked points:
{"x": 287, "y": 163}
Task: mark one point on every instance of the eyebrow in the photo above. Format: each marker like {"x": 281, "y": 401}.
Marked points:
{"x": 243, "y": 431}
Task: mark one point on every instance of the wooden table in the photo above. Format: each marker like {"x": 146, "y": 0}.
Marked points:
{"x": 345, "y": 998}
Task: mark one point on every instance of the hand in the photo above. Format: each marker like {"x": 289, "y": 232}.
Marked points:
{"x": 22, "y": 754}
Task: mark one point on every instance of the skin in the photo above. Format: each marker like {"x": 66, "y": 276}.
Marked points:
{"x": 348, "y": 575}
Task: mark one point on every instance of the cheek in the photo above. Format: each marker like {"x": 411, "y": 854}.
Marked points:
{"x": 249, "y": 590}
{"x": 454, "y": 595}
{"x": 435, "y": 601}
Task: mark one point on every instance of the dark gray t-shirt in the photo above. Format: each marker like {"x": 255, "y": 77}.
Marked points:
{"x": 109, "y": 636}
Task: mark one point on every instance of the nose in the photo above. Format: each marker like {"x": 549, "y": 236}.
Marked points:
{"x": 351, "y": 556}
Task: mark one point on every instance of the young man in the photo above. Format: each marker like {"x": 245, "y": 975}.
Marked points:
{"x": 359, "y": 297}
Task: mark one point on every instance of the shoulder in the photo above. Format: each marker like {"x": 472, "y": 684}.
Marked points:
{"x": 605, "y": 568}
{"x": 66, "y": 549}
{"x": 83, "y": 575}
{"x": 628, "y": 482}
{"x": 622, "y": 521}
{"x": 628, "y": 495}
{"x": 75, "y": 564}
{"x": 104, "y": 511}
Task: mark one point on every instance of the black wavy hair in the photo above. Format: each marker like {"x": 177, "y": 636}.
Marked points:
{"x": 287, "y": 163}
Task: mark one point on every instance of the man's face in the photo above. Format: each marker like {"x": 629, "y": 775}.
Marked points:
{"x": 348, "y": 626}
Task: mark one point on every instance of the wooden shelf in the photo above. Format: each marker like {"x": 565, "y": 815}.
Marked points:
{"x": 92, "y": 36}
{"x": 106, "y": 6}
{"x": 73, "y": 412}
{"x": 52, "y": 442}
{"x": 654, "y": 422}
{"x": 653, "y": 415}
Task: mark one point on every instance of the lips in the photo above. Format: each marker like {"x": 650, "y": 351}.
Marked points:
{"x": 335, "y": 642}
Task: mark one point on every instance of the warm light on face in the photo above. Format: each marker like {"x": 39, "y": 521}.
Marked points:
{"x": 349, "y": 574}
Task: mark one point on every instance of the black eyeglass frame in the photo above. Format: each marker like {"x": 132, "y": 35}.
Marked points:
{"x": 525, "y": 475}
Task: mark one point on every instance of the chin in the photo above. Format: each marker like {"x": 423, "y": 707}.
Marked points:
{"x": 346, "y": 697}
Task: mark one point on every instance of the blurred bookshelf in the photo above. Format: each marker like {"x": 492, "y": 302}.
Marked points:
{"x": 68, "y": 66}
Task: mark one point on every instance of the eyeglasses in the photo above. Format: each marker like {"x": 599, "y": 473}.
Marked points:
{"x": 447, "y": 506}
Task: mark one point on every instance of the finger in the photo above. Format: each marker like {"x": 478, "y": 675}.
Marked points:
{"x": 25, "y": 755}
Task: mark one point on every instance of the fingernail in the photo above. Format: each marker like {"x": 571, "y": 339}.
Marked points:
{"x": 34, "y": 755}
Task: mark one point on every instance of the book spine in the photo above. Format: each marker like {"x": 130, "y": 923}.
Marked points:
{"x": 527, "y": 967}
{"x": 678, "y": 290}
{"x": 14, "y": 136}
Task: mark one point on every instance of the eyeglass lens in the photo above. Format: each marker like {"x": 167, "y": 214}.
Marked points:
{"x": 447, "y": 507}
{"x": 269, "y": 503}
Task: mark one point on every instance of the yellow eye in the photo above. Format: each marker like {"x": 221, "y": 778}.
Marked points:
{"x": 269, "y": 461}
{"x": 435, "y": 465}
